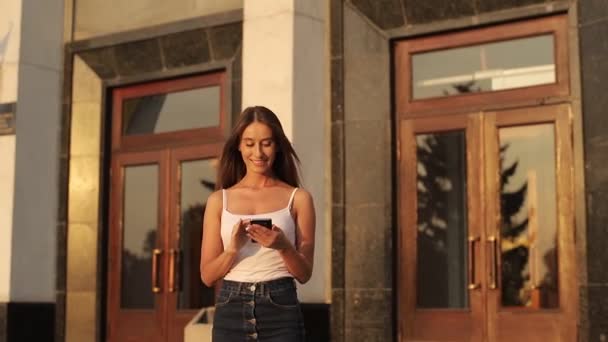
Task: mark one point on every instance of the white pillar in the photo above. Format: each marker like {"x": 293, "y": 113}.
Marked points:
{"x": 38, "y": 125}
{"x": 285, "y": 69}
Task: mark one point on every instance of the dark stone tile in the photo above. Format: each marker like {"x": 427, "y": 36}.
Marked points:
{"x": 368, "y": 310}
{"x": 598, "y": 313}
{"x": 337, "y": 89}
{"x": 367, "y": 162}
{"x": 62, "y": 205}
{"x": 21, "y": 317}
{"x": 65, "y": 129}
{"x": 138, "y": 57}
{"x": 368, "y": 261}
{"x": 237, "y": 65}
{"x": 60, "y": 317}
{"x": 495, "y": 5}
{"x": 366, "y": 70}
{"x": 337, "y": 27}
{"x": 592, "y": 10}
{"x": 3, "y": 318}
{"x": 368, "y": 334}
{"x": 236, "y": 101}
{"x": 597, "y": 237}
{"x": 337, "y": 162}
{"x": 593, "y": 43}
{"x": 102, "y": 61}
{"x": 337, "y": 247}
{"x": 337, "y": 315}
{"x": 386, "y": 14}
{"x": 596, "y": 163}
{"x": 316, "y": 321}
{"x": 583, "y": 312}
{"x": 185, "y": 48}
{"x": 60, "y": 275}
{"x": 225, "y": 40}
{"x": 420, "y": 12}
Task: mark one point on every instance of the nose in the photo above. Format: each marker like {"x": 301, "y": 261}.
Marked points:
{"x": 258, "y": 150}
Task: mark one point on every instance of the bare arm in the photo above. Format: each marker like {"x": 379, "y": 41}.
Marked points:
{"x": 299, "y": 259}
{"x": 215, "y": 261}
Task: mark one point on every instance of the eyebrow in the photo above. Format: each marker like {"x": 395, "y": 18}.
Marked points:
{"x": 251, "y": 139}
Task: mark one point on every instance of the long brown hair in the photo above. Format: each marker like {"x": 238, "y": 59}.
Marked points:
{"x": 232, "y": 168}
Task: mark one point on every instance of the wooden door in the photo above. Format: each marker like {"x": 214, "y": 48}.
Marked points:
{"x": 193, "y": 175}
{"x": 486, "y": 228}
{"x": 532, "y": 293}
{"x": 136, "y": 304}
{"x": 441, "y": 258}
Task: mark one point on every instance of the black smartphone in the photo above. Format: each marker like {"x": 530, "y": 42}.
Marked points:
{"x": 264, "y": 222}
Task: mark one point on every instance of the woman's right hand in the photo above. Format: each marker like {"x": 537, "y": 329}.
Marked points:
{"x": 239, "y": 235}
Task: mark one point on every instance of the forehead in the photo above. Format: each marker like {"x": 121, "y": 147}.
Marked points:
{"x": 257, "y": 130}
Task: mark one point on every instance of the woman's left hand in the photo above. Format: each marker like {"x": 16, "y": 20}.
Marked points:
{"x": 270, "y": 238}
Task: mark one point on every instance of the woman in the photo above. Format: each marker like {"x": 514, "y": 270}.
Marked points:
{"x": 258, "y": 177}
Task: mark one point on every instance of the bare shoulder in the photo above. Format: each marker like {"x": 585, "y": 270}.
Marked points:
{"x": 215, "y": 200}
{"x": 302, "y": 198}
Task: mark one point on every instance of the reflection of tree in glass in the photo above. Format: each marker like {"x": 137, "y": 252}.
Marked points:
{"x": 441, "y": 197}
{"x": 193, "y": 293}
{"x": 514, "y": 241}
{"x": 463, "y": 88}
{"x": 136, "y": 275}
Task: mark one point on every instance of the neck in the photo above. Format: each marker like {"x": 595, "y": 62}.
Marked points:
{"x": 257, "y": 181}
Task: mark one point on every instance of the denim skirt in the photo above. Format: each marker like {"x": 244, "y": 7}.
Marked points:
{"x": 265, "y": 311}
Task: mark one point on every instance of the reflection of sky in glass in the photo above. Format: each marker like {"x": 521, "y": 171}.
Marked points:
{"x": 188, "y": 109}
{"x": 140, "y": 206}
{"x": 474, "y": 61}
{"x": 533, "y": 147}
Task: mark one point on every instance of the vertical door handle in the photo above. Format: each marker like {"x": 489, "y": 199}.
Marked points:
{"x": 494, "y": 262}
{"x": 471, "y": 266}
{"x": 174, "y": 261}
{"x": 155, "y": 268}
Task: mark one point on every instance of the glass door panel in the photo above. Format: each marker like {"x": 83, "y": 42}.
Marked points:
{"x": 441, "y": 221}
{"x": 136, "y": 262}
{"x": 197, "y": 179}
{"x": 441, "y": 298}
{"x": 193, "y": 179}
{"x": 528, "y": 233}
{"x": 140, "y": 266}
{"x": 530, "y": 227}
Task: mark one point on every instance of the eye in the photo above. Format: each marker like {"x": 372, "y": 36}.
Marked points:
{"x": 267, "y": 143}
{"x": 249, "y": 144}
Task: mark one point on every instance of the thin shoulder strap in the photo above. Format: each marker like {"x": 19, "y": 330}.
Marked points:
{"x": 293, "y": 194}
{"x": 224, "y": 199}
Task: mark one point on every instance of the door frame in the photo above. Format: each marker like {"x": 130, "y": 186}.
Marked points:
{"x": 119, "y": 321}
{"x": 483, "y": 211}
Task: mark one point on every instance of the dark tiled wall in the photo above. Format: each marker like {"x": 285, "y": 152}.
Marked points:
{"x": 593, "y": 36}
{"x": 389, "y": 14}
{"x": 361, "y": 176}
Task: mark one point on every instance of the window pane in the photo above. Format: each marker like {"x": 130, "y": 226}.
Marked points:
{"x": 140, "y": 219}
{"x": 442, "y": 221}
{"x": 486, "y": 67}
{"x": 529, "y": 214}
{"x": 197, "y": 183}
{"x": 195, "y": 108}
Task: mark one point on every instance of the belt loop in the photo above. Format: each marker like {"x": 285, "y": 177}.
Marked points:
{"x": 263, "y": 288}
{"x": 238, "y": 290}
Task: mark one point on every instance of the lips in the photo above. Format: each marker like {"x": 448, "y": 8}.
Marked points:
{"x": 258, "y": 162}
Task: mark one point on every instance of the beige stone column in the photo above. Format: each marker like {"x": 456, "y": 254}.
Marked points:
{"x": 285, "y": 56}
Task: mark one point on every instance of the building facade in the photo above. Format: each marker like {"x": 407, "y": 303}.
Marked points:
{"x": 456, "y": 152}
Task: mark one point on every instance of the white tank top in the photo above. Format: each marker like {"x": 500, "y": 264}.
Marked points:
{"x": 255, "y": 263}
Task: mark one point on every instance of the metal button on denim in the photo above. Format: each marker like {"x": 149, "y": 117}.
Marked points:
{"x": 252, "y": 288}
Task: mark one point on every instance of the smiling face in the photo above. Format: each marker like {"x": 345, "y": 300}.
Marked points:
{"x": 258, "y": 148}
